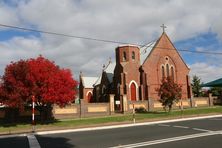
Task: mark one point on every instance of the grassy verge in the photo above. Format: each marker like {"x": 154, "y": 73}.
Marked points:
{"x": 116, "y": 119}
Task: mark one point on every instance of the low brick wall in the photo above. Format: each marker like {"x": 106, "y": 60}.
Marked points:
{"x": 95, "y": 109}
{"x": 186, "y": 103}
{"x": 70, "y": 111}
{"x": 81, "y": 110}
{"x": 155, "y": 105}
{"x": 201, "y": 101}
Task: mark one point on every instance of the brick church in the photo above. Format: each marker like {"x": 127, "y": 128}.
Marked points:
{"x": 137, "y": 73}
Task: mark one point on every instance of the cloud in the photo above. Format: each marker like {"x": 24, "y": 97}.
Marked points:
{"x": 8, "y": 15}
{"x": 205, "y": 71}
{"x": 125, "y": 20}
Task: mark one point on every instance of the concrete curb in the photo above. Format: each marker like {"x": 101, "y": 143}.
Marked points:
{"x": 13, "y": 135}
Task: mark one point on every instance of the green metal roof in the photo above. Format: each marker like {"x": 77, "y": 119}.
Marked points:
{"x": 215, "y": 83}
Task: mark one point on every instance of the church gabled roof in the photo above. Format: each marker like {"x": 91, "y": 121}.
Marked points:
{"x": 165, "y": 35}
{"x": 89, "y": 81}
{"x": 154, "y": 45}
{"x": 109, "y": 70}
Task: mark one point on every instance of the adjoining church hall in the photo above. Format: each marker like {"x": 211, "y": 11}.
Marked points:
{"x": 136, "y": 73}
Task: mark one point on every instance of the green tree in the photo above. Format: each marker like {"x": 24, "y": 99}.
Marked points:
{"x": 216, "y": 91}
{"x": 169, "y": 93}
{"x": 196, "y": 86}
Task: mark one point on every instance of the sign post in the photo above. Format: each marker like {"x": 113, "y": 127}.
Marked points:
{"x": 181, "y": 107}
{"x": 33, "y": 113}
{"x": 134, "y": 120}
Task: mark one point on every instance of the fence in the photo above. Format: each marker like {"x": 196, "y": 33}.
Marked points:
{"x": 155, "y": 105}
{"x": 105, "y": 109}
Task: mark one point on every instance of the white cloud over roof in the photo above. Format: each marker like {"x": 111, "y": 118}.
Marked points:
{"x": 89, "y": 81}
{"x": 110, "y": 67}
{"x": 145, "y": 51}
{"x": 98, "y": 81}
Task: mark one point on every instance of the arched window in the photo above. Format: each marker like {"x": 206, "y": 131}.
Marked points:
{"x": 89, "y": 96}
{"x": 172, "y": 72}
{"x": 163, "y": 72}
{"x": 168, "y": 70}
{"x": 124, "y": 56}
{"x": 133, "y": 55}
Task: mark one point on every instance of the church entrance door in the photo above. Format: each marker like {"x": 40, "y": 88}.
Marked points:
{"x": 89, "y": 97}
{"x": 133, "y": 92}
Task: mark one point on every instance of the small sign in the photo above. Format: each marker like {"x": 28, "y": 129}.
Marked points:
{"x": 117, "y": 102}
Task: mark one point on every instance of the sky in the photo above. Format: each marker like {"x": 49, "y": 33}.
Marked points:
{"x": 191, "y": 25}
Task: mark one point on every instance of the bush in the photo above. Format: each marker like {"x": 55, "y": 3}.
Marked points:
{"x": 140, "y": 110}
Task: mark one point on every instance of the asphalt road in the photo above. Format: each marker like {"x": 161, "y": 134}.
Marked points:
{"x": 202, "y": 133}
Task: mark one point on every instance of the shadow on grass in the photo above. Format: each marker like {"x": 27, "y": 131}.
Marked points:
{"x": 158, "y": 112}
{"x": 144, "y": 111}
{"x": 25, "y": 121}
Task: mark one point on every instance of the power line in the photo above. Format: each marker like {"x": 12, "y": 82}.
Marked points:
{"x": 203, "y": 52}
{"x": 64, "y": 35}
{"x": 193, "y": 51}
{"x": 102, "y": 40}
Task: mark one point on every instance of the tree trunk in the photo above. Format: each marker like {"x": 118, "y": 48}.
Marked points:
{"x": 170, "y": 108}
{"x": 46, "y": 113}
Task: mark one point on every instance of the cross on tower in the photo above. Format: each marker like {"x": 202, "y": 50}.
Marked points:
{"x": 163, "y": 26}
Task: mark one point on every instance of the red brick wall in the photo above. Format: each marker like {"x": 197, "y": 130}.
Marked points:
{"x": 129, "y": 68}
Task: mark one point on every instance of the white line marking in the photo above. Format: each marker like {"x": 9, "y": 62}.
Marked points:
{"x": 203, "y": 130}
{"x": 33, "y": 142}
{"x": 181, "y": 126}
{"x": 125, "y": 125}
{"x": 168, "y": 140}
{"x": 165, "y": 125}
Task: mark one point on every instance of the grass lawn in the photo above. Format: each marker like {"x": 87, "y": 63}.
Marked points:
{"x": 115, "y": 119}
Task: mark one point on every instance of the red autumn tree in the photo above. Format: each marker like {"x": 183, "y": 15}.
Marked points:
{"x": 14, "y": 92}
{"x": 40, "y": 78}
{"x": 169, "y": 93}
{"x": 13, "y": 89}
